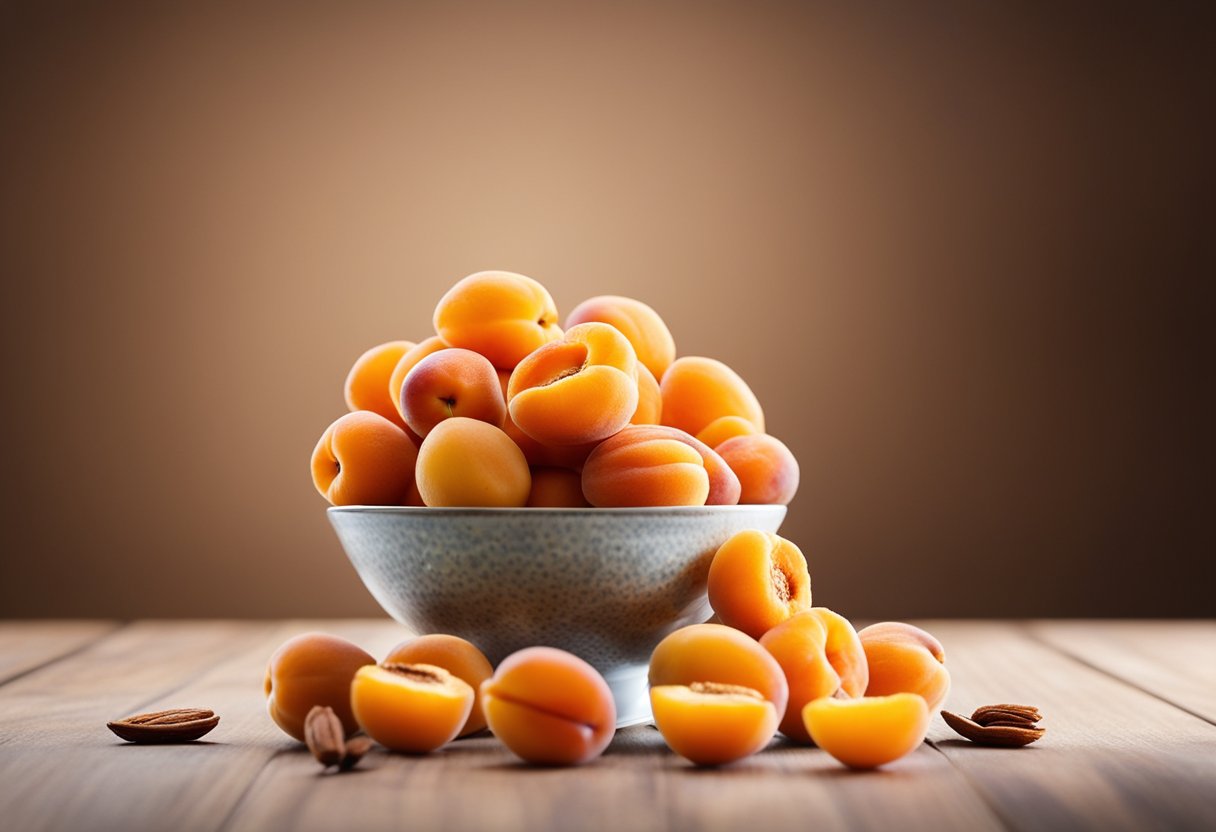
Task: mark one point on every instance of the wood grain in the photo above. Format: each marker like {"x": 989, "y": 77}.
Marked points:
{"x": 1174, "y": 660}
{"x": 1114, "y": 757}
{"x": 24, "y": 645}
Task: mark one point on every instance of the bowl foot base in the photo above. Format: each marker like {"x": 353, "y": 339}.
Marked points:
{"x": 631, "y": 692}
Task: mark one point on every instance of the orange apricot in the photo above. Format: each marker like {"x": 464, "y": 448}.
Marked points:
{"x": 549, "y": 706}
{"x": 556, "y": 488}
{"x": 364, "y": 459}
{"x": 905, "y": 659}
{"x": 415, "y": 708}
{"x": 868, "y": 732}
{"x": 407, "y": 362}
{"x": 643, "y": 465}
{"x": 714, "y": 653}
{"x": 467, "y": 462}
{"x": 821, "y": 655}
{"x": 767, "y": 471}
{"x": 455, "y": 655}
{"x": 452, "y": 382}
{"x": 367, "y": 387}
{"x": 696, "y": 391}
{"x": 712, "y": 724}
{"x": 639, "y": 323}
{"x": 502, "y": 315}
{"x": 723, "y": 428}
{"x": 650, "y": 399}
{"x": 581, "y": 388}
{"x": 757, "y": 580}
{"x": 308, "y": 670}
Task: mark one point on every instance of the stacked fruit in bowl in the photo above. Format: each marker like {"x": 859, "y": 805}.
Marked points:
{"x": 503, "y": 408}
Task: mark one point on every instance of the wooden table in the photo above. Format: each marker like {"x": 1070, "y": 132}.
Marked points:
{"x": 1130, "y": 709}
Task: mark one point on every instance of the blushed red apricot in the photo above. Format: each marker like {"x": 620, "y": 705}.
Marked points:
{"x": 367, "y": 387}
{"x": 556, "y": 488}
{"x": 580, "y": 388}
{"x": 364, "y": 459}
{"x": 868, "y": 732}
{"x": 650, "y": 399}
{"x": 308, "y": 670}
{"x": 646, "y": 470}
{"x": 711, "y": 724}
{"x": 415, "y": 708}
{"x": 767, "y": 471}
{"x": 502, "y": 315}
{"x": 905, "y": 659}
{"x": 641, "y": 467}
{"x": 452, "y": 382}
{"x": 723, "y": 428}
{"x": 821, "y": 655}
{"x": 459, "y": 657}
{"x": 757, "y": 580}
{"x": 466, "y": 462}
{"x": 638, "y": 322}
{"x": 549, "y": 706}
{"x": 419, "y": 351}
{"x": 697, "y": 390}
{"x": 713, "y": 653}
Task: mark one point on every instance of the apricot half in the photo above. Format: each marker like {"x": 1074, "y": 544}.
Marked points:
{"x": 308, "y": 670}
{"x": 549, "y": 706}
{"x": 459, "y": 657}
{"x": 712, "y": 724}
{"x": 721, "y": 655}
{"x": 757, "y": 580}
{"x": 868, "y": 732}
{"x": 414, "y": 708}
{"x": 581, "y": 388}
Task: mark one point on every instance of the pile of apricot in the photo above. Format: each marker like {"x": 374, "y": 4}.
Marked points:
{"x": 719, "y": 691}
{"x": 502, "y": 407}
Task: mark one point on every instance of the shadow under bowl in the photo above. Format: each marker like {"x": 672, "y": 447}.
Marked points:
{"x": 604, "y": 584}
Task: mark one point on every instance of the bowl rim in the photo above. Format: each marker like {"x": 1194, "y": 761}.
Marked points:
{"x": 628, "y": 511}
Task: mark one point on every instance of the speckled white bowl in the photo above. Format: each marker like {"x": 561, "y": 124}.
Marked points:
{"x": 605, "y": 584}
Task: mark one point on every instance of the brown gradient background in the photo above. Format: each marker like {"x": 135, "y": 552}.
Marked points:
{"x": 955, "y": 250}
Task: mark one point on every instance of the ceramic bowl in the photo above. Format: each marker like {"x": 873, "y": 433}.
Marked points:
{"x": 604, "y": 584}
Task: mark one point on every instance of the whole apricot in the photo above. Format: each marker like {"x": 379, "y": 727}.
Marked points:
{"x": 452, "y": 382}
{"x": 868, "y": 732}
{"x": 550, "y": 707}
{"x": 459, "y": 657}
{"x": 308, "y": 670}
{"x": 905, "y": 659}
{"x": 638, "y": 322}
{"x": 580, "y": 388}
{"x": 821, "y": 655}
{"x": 502, "y": 315}
{"x": 467, "y": 462}
{"x": 758, "y": 580}
{"x": 548, "y": 456}
{"x": 407, "y": 362}
{"x": 650, "y": 399}
{"x": 767, "y": 470}
{"x": 364, "y": 459}
{"x": 415, "y": 708}
{"x": 697, "y": 390}
{"x": 644, "y": 465}
{"x": 367, "y": 387}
